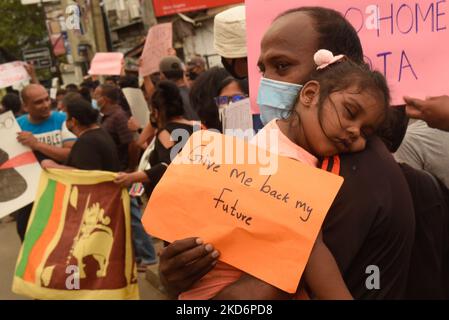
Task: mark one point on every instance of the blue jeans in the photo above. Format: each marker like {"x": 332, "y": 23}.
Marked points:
{"x": 143, "y": 244}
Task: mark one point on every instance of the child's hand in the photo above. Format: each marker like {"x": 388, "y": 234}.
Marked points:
{"x": 124, "y": 179}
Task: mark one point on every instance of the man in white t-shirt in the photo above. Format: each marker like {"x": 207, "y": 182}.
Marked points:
{"x": 44, "y": 132}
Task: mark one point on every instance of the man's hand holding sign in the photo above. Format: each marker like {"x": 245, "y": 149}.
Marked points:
{"x": 246, "y": 215}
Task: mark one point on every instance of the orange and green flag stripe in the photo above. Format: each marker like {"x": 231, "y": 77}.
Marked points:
{"x": 42, "y": 229}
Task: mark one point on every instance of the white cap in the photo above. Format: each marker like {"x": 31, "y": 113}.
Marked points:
{"x": 230, "y": 33}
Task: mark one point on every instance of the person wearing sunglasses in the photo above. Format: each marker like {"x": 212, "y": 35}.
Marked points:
{"x": 231, "y": 91}
{"x": 212, "y": 89}
{"x": 227, "y": 100}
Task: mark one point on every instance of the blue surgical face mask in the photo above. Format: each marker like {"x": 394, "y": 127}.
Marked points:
{"x": 95, "y": 104}
{"x": 276, "y": 99}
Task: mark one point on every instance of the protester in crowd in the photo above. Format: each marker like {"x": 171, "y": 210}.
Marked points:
{"x": 376, "y": 227}
{"x": 148, "y": 133}
{"x": 215, "y": 89}
{"x": 11, "y": 102}
{"x": 202, "y": 94}
{"x": 44, "y": 132}
{"x": 195, "y": 67}
{"x": 65, "y": 100}
{"x": 89, "y": 85}
{"x": 230, "y": 44}
{"x": 115, "y": 122}
{"x": 172, "y": 69}
{"x": 94, "y": 149}
{"x": 230, "y": 40}
{"x": 337, "y": 111}
{"x": 42, "y": 129}
{"x": 231, "y": 91}
{"x": 168, "y": 115}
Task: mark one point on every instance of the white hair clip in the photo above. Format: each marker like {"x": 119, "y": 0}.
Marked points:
{"x": 324, "y": 58}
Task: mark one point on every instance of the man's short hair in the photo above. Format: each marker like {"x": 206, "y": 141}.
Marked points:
{"x": 110, "y": 92}
{"x": 71, "y": 87}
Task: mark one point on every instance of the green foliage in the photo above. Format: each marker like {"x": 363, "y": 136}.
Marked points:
{"x": 21, "y": 26}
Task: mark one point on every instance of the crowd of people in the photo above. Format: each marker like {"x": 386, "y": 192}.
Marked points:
{"x": 330, "y": 110}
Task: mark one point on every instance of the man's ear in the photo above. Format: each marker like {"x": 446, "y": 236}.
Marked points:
{"x": 310, "y": 93}
{"x": 25, "y": 108}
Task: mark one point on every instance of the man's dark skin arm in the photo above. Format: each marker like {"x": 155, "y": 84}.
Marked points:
{"x": 134, "y": 153}
{"x": 250, "y": 288}
{"x": 184, "y": 262}
{"x": 433, "y": 110}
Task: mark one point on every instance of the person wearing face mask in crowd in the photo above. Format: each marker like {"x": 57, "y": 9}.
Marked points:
{"x": 371, "y": 221}
{"x": 195, "y": 67}
{"x": 115, "y": 121}
{"x": 94, "y": 149}
{"x": 337, "y": 110}
{"x": 214, "y": 90}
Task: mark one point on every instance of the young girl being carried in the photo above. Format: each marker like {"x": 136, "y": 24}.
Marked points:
{"x": 337, "y": 110}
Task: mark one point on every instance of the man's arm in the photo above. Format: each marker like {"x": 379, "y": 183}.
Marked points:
{"x": 184, "y": 262}
{"x": 149, "y": 86}
{"x": 146, "y": 136}
{"x": 32, "y": 73}
{"x": 56, "y": 153}
{"x": 250, "y": 288}
{"x": 126, "y": 137}
{"x": 434, "y": 111}
{"x": 134, "y": 152}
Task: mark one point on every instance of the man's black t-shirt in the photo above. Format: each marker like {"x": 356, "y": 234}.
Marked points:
{"x": 371, "y": 224}
{"x": 429, "y": 265}
{"x": 94, "y": 150}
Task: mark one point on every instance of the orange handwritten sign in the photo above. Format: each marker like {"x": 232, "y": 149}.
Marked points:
{"x": 265, "y": 225}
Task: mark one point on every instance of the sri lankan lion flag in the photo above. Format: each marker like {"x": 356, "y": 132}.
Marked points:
{"x": 78, "y": 240}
